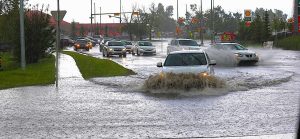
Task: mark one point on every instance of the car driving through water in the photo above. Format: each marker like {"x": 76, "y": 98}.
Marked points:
{"x": 182, "y": 44}
{"x": 143, "y": 47}
{"x": 241, "y": 54}
{"x": 114, "y": 48}
{"x": 188, "y": 61}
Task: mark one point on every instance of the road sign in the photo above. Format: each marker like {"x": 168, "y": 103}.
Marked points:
{"x": 62, "y": 14}
{"x": 247, "y": 13}
{"x": 248, "y": 23}
{"x": 248, "y": 19}
{"x": 298, "y": 23}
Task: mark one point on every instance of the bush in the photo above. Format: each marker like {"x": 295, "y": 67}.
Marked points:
{"x": 39, "y": 34}
{"x": 290, "y": 43}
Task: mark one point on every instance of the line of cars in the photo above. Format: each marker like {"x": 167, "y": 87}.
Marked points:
{"x": 113, "y": 47}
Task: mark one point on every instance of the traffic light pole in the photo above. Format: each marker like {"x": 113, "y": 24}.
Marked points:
{"x": 296, "y": 14}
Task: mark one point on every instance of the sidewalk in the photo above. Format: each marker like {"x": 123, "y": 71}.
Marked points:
{"x": 68, "y": 72}
{"x": 278, "y": 136}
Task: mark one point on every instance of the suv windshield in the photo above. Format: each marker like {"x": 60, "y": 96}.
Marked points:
{"x": 188, "y": 42}
{"x": 81, "y": 41}
{"x": 145, "y": 44}
{"x": 128, "y": 43}
{"x": 233, "y": 47}
{"x": 186, "y": 59}
{"x": 115, "y": 44}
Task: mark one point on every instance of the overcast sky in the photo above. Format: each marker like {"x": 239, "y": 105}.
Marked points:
{"x": 79, "y": 10}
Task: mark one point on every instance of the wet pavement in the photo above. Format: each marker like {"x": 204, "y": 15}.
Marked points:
{"x": 260, "y": 102}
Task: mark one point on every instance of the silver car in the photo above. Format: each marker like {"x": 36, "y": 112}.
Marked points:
{"x": 242, "y": 54}
{"x": 143, "y": 47}
{"x": 114, "y": 48}
{"x": 182, "y": 44}
{"x": 188, "y": 61}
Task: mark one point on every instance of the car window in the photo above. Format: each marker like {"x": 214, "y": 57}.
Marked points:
{"x": 145, "y": 44}
{"x": 185, "y": 59}
{"x": 233, "y": 47}
{"x": 173, "y": 42}
{"x": 115, "y": 44}
{"x": 188, "y": 42}
{"x": 81, "y": 41}
{"x": 128, "y": 43}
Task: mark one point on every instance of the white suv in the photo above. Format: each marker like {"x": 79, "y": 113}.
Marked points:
{"x": 182, "y": 44}
{"x": 242, "y": 54}
{"x": 193, "y": 61}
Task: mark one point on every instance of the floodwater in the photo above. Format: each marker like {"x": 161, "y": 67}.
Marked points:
{"x": 258, "y": 100}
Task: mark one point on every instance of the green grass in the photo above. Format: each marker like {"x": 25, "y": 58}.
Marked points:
{"x": 290, "y": 43}
{"x": 8, "y": 61}
{"x": 41, "y": 73}
{"x": 91, "y": 67}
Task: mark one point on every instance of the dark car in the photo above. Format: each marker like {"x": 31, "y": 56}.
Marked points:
{"x": 82, "y": 44}
{"x": 66, "y": 42}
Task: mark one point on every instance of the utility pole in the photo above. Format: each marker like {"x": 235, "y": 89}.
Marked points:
{"x": 100, "y": 22}
{"x": 95, "y": 12}
{"x": 177, "y": 11}
{"x": 22, "y": 35}
{"x": 91, "y": 28}
{"x": 296, "y": 14}
{"x": 201, "y": 23}
{"x": 212, "y": 21}
{"x": 57, "y": 43}
{"x": 120, "y": 12}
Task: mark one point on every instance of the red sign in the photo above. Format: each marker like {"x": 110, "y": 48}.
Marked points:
{"x": 248, "y": 23}
{"x": 227, "y": 37}
{"x": 298, "y": 23}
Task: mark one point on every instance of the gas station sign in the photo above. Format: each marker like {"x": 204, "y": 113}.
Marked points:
{"x": 248, "y": 15}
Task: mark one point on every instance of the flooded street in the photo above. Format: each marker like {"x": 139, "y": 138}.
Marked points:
{"x": 258, "y": 100}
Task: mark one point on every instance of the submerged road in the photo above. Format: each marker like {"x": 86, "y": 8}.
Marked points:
{"x": 259, "y": 100}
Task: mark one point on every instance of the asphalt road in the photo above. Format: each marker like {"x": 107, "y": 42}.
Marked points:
{"x": 259, "y": 100}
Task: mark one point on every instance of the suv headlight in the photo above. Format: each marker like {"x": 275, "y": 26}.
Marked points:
{"x": 238, "y": 55}
{"x": 110, "y": 49}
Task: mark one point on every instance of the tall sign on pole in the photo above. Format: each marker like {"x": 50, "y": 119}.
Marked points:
{"x": 58, "y": 15}
{"x": 248, "y": 15}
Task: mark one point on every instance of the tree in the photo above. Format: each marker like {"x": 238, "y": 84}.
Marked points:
{"x": 40, "y": 34}
{"x": 73, "y": 30}
{"x": 256, "y": 29}
{"x": 266, "y": 29}
{"x": 81, "y": 31}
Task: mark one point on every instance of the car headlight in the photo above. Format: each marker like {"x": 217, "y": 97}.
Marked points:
{"x": 238, "y": 55}
{"x": 110, "y": 49}
{"x": 124, "y": 49}
{"x": 204, "y": 74}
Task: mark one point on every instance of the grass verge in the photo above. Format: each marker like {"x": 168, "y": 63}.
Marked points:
{"x": 41, "y": 73}
{"x": 290, "y": 43}
{"x": 91, "y": 67}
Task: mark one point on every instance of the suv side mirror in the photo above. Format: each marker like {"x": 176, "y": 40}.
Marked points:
{"x": 159, "y": 64}
{"x": 213, "y": 62}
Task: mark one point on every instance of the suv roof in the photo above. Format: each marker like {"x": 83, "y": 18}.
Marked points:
{"x": 187, "y": 51}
